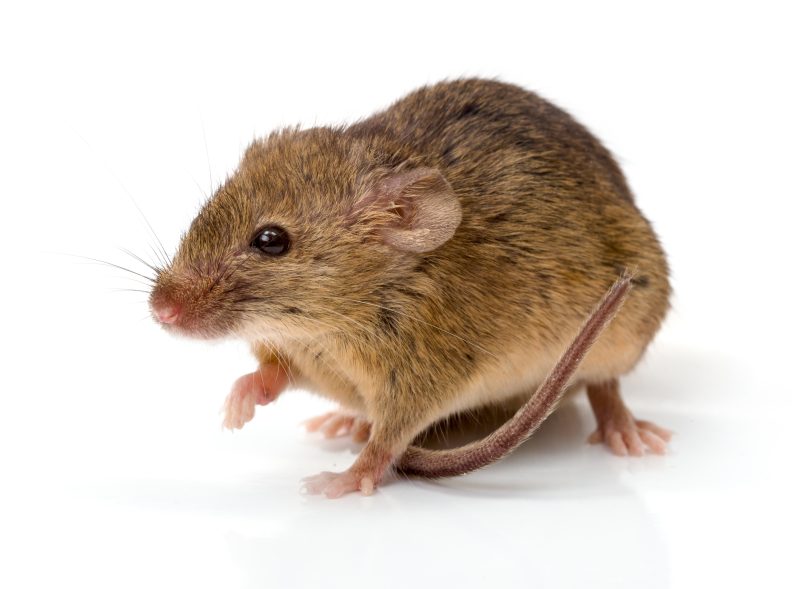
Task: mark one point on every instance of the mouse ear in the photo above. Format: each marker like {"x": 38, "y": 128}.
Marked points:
{"x": 420, "y": 209}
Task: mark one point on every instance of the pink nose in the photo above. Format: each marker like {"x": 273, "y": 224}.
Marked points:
{"x": 167, "y": 312}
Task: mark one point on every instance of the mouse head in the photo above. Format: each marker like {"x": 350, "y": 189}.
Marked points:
{"x": 310, "y": 226}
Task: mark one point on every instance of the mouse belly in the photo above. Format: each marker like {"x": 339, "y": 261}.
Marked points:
{"x": 518, "y": 375}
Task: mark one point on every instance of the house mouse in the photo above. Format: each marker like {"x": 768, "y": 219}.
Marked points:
{"x": 435, "y": 258}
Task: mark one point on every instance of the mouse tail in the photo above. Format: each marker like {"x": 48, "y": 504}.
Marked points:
{"x": 444, "y": 463}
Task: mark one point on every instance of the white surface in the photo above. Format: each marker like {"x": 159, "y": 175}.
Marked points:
{"x": 114, "y": 470}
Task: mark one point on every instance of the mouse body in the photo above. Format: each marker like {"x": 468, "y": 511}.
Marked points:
{"x": 434, "y": 258}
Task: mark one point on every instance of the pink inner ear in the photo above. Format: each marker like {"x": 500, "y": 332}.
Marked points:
{"x": 428, "y": 211}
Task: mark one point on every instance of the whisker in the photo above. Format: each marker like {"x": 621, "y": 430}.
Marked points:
{"x": 208, "y": 158}
{"x": 164, "y": 261}
{"x": 372, "y": 332}
{"x": 199, "y": 188}
{"x": 135, "y": 257}
{"x": 283, "y": 362}
{"x": 147, "y": 222}
{"x": 274, "y": 353}
{"x": 136, "y": 280}
{"x": 130, "y": 290}
{"x": 128, "y": 192}
{"x": 261, "y": 374}
{"x": 225, "y": 275}
{"x": 117, "y": 266}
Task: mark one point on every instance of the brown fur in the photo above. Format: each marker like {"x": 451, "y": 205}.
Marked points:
{"x": 407, "y": 336}
{"x": 509, "y": 436}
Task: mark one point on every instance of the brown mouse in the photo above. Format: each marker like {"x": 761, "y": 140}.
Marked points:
{"x": 434, "y": 258}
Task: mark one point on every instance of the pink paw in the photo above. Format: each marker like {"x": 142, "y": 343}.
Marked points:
{"x": 336, "y": 484}
{"x": 339, "y": 423}
{"x": 257, "y": 388}
{"x": 631, "y": 437}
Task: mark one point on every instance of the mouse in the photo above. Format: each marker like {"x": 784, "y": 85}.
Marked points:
{"x": 472, "y": 245}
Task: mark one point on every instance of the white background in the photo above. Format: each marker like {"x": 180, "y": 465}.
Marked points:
{"x": 114, "y": 470}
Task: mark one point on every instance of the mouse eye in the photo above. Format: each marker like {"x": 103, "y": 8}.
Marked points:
{"x": 272, "y": 240}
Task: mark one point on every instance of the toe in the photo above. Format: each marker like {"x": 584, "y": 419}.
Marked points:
{"x": 596, "y": 437}
{"x": 338, "y": 425}
{"x": 337, "y": 488}
{"x": 226, "y": 412}
{"x": 649, "y": 426}
{"x": 244, "y": 410}
{"x": 333, "y": 485}
{"x": 626, "y": 436}
{"x": 315, "y": 484}
{"x": 235, "y": 420}
{"x": 231, "y": 415}
{"x": 345, "y": 482}
{"x": 248, "y": 410}
{"x": 315, "y": 423}
{"x": 367, "y": 486}
{"x": 616, "y": 443}
{"x": 656, "y": 444}
{"x": 633, "y": 443}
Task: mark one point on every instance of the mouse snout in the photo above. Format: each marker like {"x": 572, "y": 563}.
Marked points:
{"x": 165, "y": 305}
{"x": 188, "y": 306}
{"x": 166, "y": 312}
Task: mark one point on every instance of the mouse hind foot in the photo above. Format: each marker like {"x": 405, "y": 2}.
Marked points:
{"x": 617, "y": 427}
{"x": 364, "y": 475}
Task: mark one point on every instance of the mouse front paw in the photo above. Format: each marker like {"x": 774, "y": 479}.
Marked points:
{"x": 626, "y": 436}
{"x": 335, "y": 424}
{"x": 257, "y": 388}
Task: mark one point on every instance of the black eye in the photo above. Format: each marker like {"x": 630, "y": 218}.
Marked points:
{"x": 272, "y": 240}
